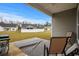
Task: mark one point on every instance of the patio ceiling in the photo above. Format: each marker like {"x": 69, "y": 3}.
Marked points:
{"x": 51, "y": 8}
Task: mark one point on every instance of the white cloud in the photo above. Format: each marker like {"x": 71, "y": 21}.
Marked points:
{"x": 11, "y": 17}
{"x": 15, "y": 18}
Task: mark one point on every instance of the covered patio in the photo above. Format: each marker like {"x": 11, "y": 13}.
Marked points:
{"x": 64, "y": 19}
{"x": 64, "y": 16}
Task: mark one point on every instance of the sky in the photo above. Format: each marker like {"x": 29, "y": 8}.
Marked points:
{"x": 22, "y": 12}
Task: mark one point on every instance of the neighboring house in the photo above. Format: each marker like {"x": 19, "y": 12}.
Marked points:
{"x": 21, "y": 27}
{"x": 27, "y": 26}
{"x": 13, "y": 29}
{"x": 9, "y": 26}
{"x": 48, "y": 28}
{"x": 32, "y": 28}
{"x": 1, "y": 28}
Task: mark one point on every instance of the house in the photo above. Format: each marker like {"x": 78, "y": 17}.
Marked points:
{"x": 8, "y": 26}
{"x": 20, "y": 26}
{"x": 27, "y": 26}
{"x": 32, "y": 28}
{"x": 1, "y": 28}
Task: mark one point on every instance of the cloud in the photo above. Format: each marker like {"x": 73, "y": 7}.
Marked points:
{"x": 15, "y": 18}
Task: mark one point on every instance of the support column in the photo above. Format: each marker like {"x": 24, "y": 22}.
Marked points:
{"x": 64, "y": 22}
{"x": 78, "y": 23}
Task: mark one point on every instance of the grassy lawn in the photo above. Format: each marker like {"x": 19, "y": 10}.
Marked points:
{"x": 15, "y": 36}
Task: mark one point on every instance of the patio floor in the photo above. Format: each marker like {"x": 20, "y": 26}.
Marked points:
{"x": 32, "y": 46}
{"x": 15, "y": 51}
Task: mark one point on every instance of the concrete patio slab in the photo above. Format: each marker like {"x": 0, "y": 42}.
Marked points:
{"x": 35, "y": 50}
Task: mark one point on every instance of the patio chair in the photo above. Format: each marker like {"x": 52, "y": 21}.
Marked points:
{"x": 58, "y": 44}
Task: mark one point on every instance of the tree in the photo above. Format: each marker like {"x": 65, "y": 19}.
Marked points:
{"x": 47, "y": 24}
{"x": 19, "y": 27}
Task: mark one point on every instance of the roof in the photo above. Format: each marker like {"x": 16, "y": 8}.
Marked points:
{"x": 51, "y": 8}
{"x": 7, "y": 25}
{"x": 32, "y": 25}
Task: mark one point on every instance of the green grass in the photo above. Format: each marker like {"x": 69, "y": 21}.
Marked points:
{"x": 16, "y": 36}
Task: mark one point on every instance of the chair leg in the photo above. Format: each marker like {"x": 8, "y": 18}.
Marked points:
{"x": 44, "y": 50}
{"x": 56, "y": 54}
{"x": 47, "y": 52}
{"x": 64, "y": 53}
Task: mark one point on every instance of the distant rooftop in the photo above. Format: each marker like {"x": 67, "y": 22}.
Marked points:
{"x": 7, "y": 25}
